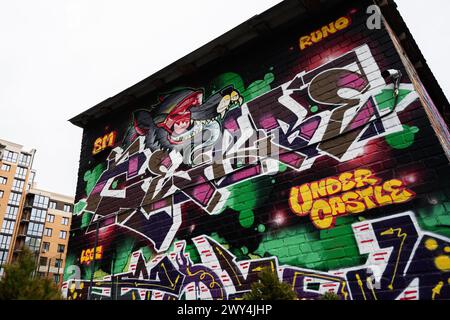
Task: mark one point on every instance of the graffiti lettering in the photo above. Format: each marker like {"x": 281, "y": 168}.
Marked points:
{"x": 359, "y": 191}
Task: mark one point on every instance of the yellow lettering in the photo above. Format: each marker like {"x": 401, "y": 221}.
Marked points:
{"x": 342, "y": 23}
{"x": 321, "y": 215}
{"x": 364, "y": 177}
{"x": 337, "y": 206}
{"x": 353, "y": 206}
{"x": 305, "y": 42}
{"x": 329, "y": 29}
{"x": 347, "y": 182}
{"x": 333, "y": 186}
{"x": 399, "y": 194}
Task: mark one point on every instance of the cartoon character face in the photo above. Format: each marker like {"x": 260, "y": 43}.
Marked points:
{"x": 179, "y": 119}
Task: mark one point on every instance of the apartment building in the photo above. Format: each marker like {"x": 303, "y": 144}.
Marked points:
{"x": 16, "y": 177}
{"x": 31, "y": 217}
{"x": 44, "y": 228}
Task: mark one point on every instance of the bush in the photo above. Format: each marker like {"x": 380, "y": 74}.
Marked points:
{"x": 18, "y": 282}
{"x": 269, "y": 287}
{"x": 330, "y": 296}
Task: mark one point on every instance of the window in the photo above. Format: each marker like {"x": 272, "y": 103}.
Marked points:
{"x": 5, "y": 242}
{"x": 11, "y": 212}
{"x": 24, "y": 159}
{"x": 52, "y": 205}
{"x": 21, "y": 173}
{"x": 6, "y": 167}
{"x": 58, "y": 263}
{"x": 14, "y": 198}
{"x": 61, "y": 248}
{"x": 67, "y": 208}
{"x": 3, "y": 180}
{"x": 62, "y": 234}
{"x": 8, "y": 226}
{"x": 40, "y": 201}
{"x": 10, "y": 156}
{"x": 65, "y": 221}
{"x": 56, "y": 278}
{"x": 18, "y": 185}
{"x": 1, "y": 193}
{"x": 46, "y": 246}
{"x": 43, "y": 261}
{"x": 3, "y": 257}
{"x": 51, "y": 218}
{"x": 33, "y": 243}
{"x": 38, "y": 215}
{"x": 48, "y": 232}
{"x": 35, "y": 229}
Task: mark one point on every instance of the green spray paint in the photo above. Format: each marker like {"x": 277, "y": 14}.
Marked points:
{"x": 91, "y": 177}
{"x": 307, "y": 247}
{"x": 79, "y": 207}
{"x": 385, "y": 99}
{"x": 255, "y": 89}
{"x": 123, "y": 254}
{"x": 404, "y": 139}
{"x": 86, "y": 219}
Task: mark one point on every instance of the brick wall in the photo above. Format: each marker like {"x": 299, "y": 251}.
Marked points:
{"x": 291, "y": 153}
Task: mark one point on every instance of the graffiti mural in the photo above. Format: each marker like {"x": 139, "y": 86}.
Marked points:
{"x": 398, "y": 253}
{"x": 312, "y": 173}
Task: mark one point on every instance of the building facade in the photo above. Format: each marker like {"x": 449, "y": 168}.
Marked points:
{"x": 16, "y": 177}
{"x": 310, "y": 140}
{"x": 44, "y": 228}
{"x": 31, "y": 217}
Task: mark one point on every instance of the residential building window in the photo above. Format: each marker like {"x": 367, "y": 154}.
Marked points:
{"x": 43, "y": 261}
{"x": 35, "y": 229}
{"x": 10, "y": 156}
{"x": 18, "y": 185}
{"x": 38, "y": 215}
{"x": 33, "y": 243}
{"x": 58, "y": 263}
{"x": 67, "y": 208}
{"x": 25, "y": 160}
{"x": 5, "y": 242}
{"x": 62, "y": 234}
{"x": 65, "y": 221}
{"x": 51, "y": 218}
{"x": 14, "y": 198}
{"x": 3, "y": 180}
{"x": 40, "y": 201}
{"x": 61, "y": 248}
{"x": 1, "y": 193}
{"x": 48, "y": 232}
{"x": 52, "y": 205}
{"x": 56, "y": 278}
{"x": 6, "y": 167}
{"x": 8, "y": 226}
{"x": 3, "y": 257}
{"x": 21, "y": 173}
{"x": 46, "y": 246}
{"x": 11, "y": 212}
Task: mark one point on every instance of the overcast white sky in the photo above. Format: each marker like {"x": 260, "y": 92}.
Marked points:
{"x": 59, "y": 58}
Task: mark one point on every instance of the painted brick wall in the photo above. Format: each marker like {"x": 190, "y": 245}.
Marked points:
{"x": 291, "y": 153}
